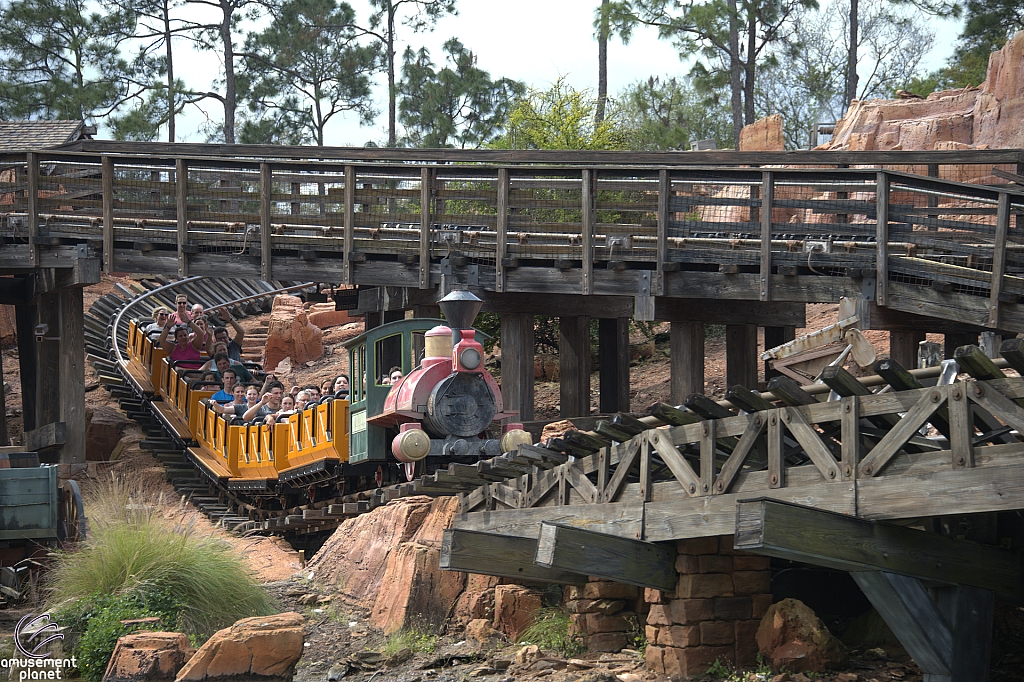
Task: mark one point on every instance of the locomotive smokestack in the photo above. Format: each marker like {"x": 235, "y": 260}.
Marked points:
{"x": 460, "y": 308}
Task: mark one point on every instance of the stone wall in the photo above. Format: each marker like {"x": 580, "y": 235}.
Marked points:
{"x": 715, "y": 611}
{"x": 607, "y": 615}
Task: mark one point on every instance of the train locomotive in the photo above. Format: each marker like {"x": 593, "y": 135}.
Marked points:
{"x": 441, "y": 411}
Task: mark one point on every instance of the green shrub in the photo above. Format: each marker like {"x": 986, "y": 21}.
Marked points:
{"x": 550, "y": 630}
{"x": 417, "y": 640}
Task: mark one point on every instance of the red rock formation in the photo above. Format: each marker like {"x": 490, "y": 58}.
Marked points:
{"x": 323, "y": 315}
{"x": 291, "y": 335}
{"x": 515, "y": 607}
{"x": 792, "y": 635}
{"x": 763, "y": 135}
{"x": 260, "y": 648}
{"x": 148, "y": 657}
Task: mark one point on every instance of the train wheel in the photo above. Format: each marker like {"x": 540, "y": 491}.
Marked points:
{"x": 71, "y": 524}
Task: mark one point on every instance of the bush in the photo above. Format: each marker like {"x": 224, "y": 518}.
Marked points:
{"x": 550, "y": 630}
{"x": 416, "y": 640}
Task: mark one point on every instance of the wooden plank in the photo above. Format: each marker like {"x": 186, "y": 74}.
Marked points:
{"x": 882, "y": 239}
{"x": 574, "y": 365}
{"x": 612, "y": 354}
{"x": 50, "y": 435}
{"x": 266, "y": 238}
{"x": 500, "y": 555}
{"x": 686, "y": 355}
{"x": 961, "y": 425}
{"x": 892, "y": 442}
{"x": 618, "y": 479}
{"x": 718, "y": 311}
{"x": 623, "y": 519}
{"x": 501, "y": 248}
{"x": 621, "y": 560}
{"x": 72, "y": 374}
{"x": 664, "y": 191}
{"x": 108, "y": 214}
{"x": 751, "y": 434}
{"x": 587, "y": 197}
{"x": 799, "y": 533}
{"x": 811, "y": 443}
{"x": 741, "y": 355}
{"x": 998, "y": 258}
{"x": 1006, "y": 410}
{"x": 776, "y": 463}
{"x": 517, "y": 365}
{"x": 679, "y": 467}
{"x": 578, "y": 480}
{"x": 425, "y": 219}
{"x": 181, "y": 206}
{"x": 767, "y": 198}
{"x": 707, "y": 455}
{"x": 349, "y": 224}
{"x": 850, "y": 437}
{"x": 32, "y": 199}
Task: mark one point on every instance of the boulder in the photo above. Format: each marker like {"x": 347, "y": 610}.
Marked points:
{"x": 324, "y": 316}
{"x": 480, "y": 634}
{"x": 763, "y": 135}
{"x": 473, "y": 605}
{"x": 148, "y": 657}
{"x": 415, "y": 590}
{"x": 557, "y": 429}
{"x": 792, "y": 635}
{"x": 290, "y": 334}
{"x": 262, "y": 648}
{"x": 104, "y": 428}
{"x": 515, "y": 607}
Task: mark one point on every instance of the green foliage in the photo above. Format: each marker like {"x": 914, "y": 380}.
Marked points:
{"x": 669, "y": 114}
{"x": 415, "y": 639}
{"x": 457, "y": 105}
{"x": 550, "y": 630}
{"x": 60, "y": 60}
{"x": 719, "y": 669}
{"x": 305, "y": 68}
{"x": 143, "y": 559}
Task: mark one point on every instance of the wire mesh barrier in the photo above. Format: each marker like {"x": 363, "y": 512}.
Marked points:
{"x": 522, "y": 227}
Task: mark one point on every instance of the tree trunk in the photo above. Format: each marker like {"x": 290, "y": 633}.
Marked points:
{"x": 392, "y": 92}
{"x": 851, "y": 56}
{"x": 170, "y": 72}
{"x": 734, "y": 73}
{"x": 229, "y": 74}
{"x": 749, "y": 67}
{"x": 602, "y": 64}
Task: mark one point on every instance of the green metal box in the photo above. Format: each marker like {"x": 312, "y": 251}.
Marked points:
{"x": 28, "y": 503}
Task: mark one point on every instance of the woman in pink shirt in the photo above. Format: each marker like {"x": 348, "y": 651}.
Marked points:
{"x": 186, "y": 352}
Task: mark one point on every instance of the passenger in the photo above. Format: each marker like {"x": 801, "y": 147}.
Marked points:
{"x": 181, "y": 314}
{"x": 341, "y": 386}
{"x": 294, "y": 391}
{"x": 301, "y": 400}
{"x": 395, "y": 375}
{"x": 183, "y": 349}
{"x": 326, "y": 387}
{"x": 159, "y": 318}
{"x": 237, "y": 407}
{"x": 205, "y": 333}
{"x": 217, "y": 349}
{"x": 220, "y": 334}
{"x": 197, "y": 310}
{"x": 226, "y": 394}
{"x": 270, "y": 402}
{"x": 288, "y": 408}
{"x": 221, "y": 361}
{"x": 313, "y": 391}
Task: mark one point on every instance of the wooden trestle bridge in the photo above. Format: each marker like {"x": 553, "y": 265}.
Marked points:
{"x": 741, "y": 239}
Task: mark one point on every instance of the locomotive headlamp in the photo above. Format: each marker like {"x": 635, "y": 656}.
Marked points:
{"x": 470, "y": 358}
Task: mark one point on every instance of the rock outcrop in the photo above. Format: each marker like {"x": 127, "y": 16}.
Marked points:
{"x": 324, "y": 316}
{"x": 290, "y": 334}
{"x": 763, "y": 135}
{"x": 148, "y": 657}
{"x": 104, "y": 428}
{"x": 264, "y": 648}
{"x": 792, "y": 635}
{"x": 515, "y": 607}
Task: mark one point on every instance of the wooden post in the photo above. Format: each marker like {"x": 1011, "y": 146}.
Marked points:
{"x": 741, "y": 355}
{"x": 574, "y": 365}
{"x": 613, "y": 364}
{"x": 998, "y": 258}
{"x": 296, "y": 206}
{"x": 425, "y": 181}
{"x": 623, "y": 560}
{"x": 686, "y": 358}
{"x": 4, "y": 440}
{"x": 950, "y": 342}
{"x": 664, "y": 196}
{"x": 776, "y": 336}
{"x": 587, "y": 197}
{"x": 181, "y": 197}
{"x": 517, "y": 344}
{"x": 108, "y": 213}
{"x": 502, "y": 228}
{"x": 882, "y": 239}
{"x": 767, "y": 197}
{"x": 72, "y": 374}
{"x": 25, "y": 321}
{"x": 266, "y": 239}
{"x": 48, "y": 363}
{"x": 32, "y": 195}
{"x": 903, "y": 347}
{"x": 350, "y": 223}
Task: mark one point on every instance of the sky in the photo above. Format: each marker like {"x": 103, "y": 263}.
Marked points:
{"x": 535, "y": 41}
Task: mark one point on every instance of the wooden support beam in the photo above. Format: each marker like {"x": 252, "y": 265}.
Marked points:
{"x": 998, "y": 258}
{"x": 741, "y": 355}
{"x": 946, "y": 630}
{"x": 52, "y": 435}
{"x": 349, "y": 223}
{"x": 500, "y": 555}
{"x": 664, "y": 192}
{"x": 426, "y": 180}
{"x": 587, "y": 198}
{"x": 266, "y": 238}
{"x": 790, "y": 531}
{"x": 32, "y": 184}
{"x": 622, "y": 560}
{"x": 25, "y": 321}
{"x": 502, "y": 230}
{"x": 767, "y": 198}
{"x": 517, "y": 356}
{"x": 72, "y": 374}
{"x": 107, "y": 180}
{"x": 686, "y": 359}
{"x": 903, "y": 346}
{"x": 181, "y": 203}
{"x": 776, "y": 336}
{"x": 574, "y": 365}
{"x": 718, "y": 311}
{"x": 613, "y": 363}
{"x": 952, "y": 341}
{"x": 882, "y": 239}
{"x": 48, "y": 359}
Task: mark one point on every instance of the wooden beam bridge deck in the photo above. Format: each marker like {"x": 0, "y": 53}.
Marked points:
{"x": 647, "y": 228}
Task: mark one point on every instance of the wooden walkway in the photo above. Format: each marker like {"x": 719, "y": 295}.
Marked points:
{"x": 642, "y": 227}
